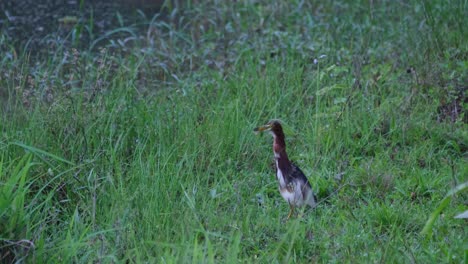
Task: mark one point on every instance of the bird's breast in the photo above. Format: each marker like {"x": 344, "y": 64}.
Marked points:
{"x": 280, "y": 176}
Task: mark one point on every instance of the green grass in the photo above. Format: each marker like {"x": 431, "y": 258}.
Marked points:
{"x": 145, "y": 151}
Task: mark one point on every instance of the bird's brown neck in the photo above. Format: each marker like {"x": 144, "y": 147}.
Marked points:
{"x": 279, "y": 149}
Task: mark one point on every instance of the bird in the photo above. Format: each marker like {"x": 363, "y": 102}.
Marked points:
{"x": 293, "y": 184}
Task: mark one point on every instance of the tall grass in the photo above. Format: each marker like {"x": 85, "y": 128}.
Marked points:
{"x": 145, "y": 151}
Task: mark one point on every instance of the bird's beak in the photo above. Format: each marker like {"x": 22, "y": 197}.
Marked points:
{"x": 262, "y": 128}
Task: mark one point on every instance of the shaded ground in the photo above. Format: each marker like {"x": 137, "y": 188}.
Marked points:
{"x": 45, "y": 24}
{"x": 48, "y": 27}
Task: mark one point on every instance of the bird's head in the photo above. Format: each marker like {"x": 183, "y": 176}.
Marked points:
{"x": 273, "y": 126}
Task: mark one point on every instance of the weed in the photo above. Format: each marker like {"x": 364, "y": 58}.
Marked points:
{"x": 134, "y": 143}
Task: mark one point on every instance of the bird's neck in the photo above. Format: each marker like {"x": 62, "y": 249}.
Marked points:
{"x": 279, "y": 149}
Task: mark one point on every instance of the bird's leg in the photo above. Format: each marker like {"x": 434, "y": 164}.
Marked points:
{"x": 291, "y": 210}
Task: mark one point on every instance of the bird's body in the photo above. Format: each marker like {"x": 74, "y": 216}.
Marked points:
{"x": 298, "y": 191}
{"x": 293, "y": 184}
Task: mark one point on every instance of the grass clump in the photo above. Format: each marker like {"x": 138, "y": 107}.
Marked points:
{"x": 139, "y": 147}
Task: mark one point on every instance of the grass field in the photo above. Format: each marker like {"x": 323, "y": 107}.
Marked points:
{"x": 138, "y": 146}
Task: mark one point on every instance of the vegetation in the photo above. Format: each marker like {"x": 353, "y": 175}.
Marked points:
{"x": 137, "y": 145}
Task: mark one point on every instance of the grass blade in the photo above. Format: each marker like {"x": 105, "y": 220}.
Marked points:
{"x": 427, "y": 230}
{"x": 40, "y": 152}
